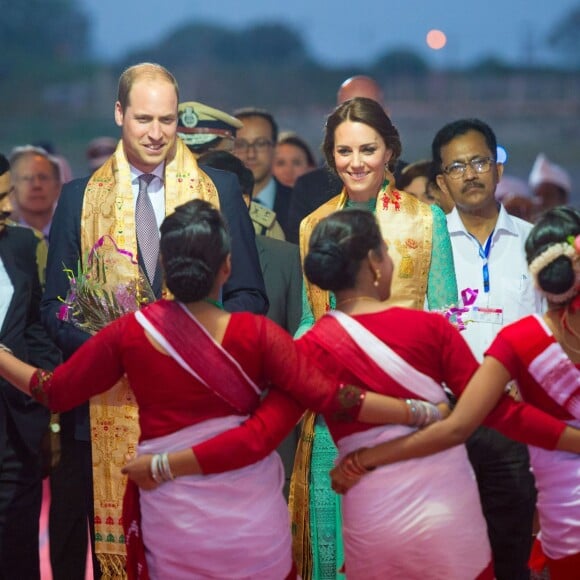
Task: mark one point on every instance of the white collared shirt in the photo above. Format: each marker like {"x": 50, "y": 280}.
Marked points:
{"x": 267, "y": 196}
{"x": 6, "y": 292}
{"x": 156, "y": 190}
{"x": 511, "y": 286}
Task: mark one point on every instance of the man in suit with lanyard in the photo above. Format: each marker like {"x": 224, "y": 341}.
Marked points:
{"x": 107, "y": 203}
{"x": 23, "y": 422}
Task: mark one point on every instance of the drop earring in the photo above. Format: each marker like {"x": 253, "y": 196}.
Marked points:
{"x": 377, "y": 278}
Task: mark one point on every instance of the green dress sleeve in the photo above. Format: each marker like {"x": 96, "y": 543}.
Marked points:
{"x": 441, "y": 284}
{"x": 307, "y": 318}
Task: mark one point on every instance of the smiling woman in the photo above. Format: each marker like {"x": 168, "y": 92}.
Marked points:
{"x": 361, "y": 145}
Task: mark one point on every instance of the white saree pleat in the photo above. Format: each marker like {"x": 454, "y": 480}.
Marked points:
{"x": 229, "y": 525}
{"x": 416, "y": 519}
{"x": 557, "y": 476}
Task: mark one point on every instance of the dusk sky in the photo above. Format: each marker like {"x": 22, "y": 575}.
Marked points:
{"x": 341, "y": 32}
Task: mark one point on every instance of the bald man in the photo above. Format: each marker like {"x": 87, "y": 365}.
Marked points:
{"x": 317, "y": 187}
{"x": 360, "y": 86}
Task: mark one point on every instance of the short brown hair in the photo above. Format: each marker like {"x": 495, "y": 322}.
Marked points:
{"x": 361, "y": 110}
{"x": 147, "y": 70}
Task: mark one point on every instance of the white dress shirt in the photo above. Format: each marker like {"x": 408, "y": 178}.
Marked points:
{"x": 267, "y": 196}
{"x": 6, "y": 292}
{"x": 511, "y": 287}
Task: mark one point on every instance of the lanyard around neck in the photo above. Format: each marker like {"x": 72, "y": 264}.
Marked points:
{"x": 484, "y": 255}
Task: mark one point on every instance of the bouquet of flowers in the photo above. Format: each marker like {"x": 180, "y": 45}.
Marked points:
{"x": 108, "y": 285}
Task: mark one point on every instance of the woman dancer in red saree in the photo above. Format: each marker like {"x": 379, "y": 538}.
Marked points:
{"x": 198, "y": 373}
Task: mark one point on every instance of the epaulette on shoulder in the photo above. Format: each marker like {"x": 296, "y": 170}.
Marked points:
{"x": 262, "y": 215}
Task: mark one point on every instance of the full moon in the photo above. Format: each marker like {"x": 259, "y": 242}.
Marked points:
{"x": 436, "y": 39}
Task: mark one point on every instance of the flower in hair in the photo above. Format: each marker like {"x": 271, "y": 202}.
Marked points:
{"x": 569, "y": 248}
{"x": 550, "y": 255}
{"x": 575, "y": 241}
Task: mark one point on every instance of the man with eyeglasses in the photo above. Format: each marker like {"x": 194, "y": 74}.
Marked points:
{"x": 37, "y": 183}
{"x": 254, "y": 145}
{"x": 495, "y": 286}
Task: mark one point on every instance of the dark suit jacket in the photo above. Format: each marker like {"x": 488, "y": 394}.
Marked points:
{"x": 21, "y": 418}
{"x": 282, "y": 271}
{"x": 244, "y": 290}
{"x": 282, "y": 204}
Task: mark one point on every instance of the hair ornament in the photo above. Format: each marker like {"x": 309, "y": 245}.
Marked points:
{"x": 569, "y": 248}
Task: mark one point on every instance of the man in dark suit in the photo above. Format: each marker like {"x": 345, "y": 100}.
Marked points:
{"x": 318, "y": 186}
{"x": 23, "y": 422}
{"x": 146, "y": 111}
{"x": 254, "y": 145}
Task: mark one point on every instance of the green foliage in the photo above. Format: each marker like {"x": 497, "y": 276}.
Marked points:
{"x": 565, "y": 37}
{"x": 401, "y": 62}
{"x": 196, "y": 44}
{"x": 491, "y": 65}
{"x": 38, "y": 31}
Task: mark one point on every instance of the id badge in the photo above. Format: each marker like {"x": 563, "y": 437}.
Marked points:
{"x": 486, "y": 315}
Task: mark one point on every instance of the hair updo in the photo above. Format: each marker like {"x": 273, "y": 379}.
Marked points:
{"x": 194, "y": 244}
{"x": 558, "y": 276}
{"x": 338, "y": 245}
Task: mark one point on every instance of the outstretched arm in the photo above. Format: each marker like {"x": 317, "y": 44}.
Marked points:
{"x": 481, "y": 395}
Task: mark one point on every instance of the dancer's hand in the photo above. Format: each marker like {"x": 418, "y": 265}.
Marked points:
{"x": 138, "y": 468}
{"x": 341, "y": 483}
{"x": 349, "y": 471}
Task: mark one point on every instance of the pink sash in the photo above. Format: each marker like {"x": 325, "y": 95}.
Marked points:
{"x": 172, "y": 325}
{"x": 232, "y": 525}
{"x": 551, "y": 368}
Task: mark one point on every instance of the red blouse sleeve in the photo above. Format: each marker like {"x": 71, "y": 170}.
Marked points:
{"x": 525, "y": 423}
{"x": 519, "y": 420}
{"x": 293, "y": 382}
{"x": 254, "y": 439}
{"x": 94, "y": 368}
{"x": 290, "y": 369}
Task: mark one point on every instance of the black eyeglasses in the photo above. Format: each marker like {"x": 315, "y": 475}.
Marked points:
{"x": 479, "y": 165}
{"x": 259, "y": 145}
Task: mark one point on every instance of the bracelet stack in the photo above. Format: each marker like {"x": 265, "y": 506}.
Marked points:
{"x": 351, "y": 466}
{"x": 422, "y": 413}
{"x": 160, "y": 469}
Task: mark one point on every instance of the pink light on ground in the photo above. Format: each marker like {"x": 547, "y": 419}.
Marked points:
{"x": 436, "y": 39}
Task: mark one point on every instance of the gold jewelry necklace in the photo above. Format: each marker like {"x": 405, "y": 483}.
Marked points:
{"x": 354, "y": 299}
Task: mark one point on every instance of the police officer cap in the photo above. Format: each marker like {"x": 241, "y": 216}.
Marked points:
{"x": 199, "y": 124}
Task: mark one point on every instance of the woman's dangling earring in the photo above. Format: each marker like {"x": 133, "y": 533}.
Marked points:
{"x": 377, "y": 278}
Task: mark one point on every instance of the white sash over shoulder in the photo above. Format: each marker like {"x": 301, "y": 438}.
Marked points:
{"x": 389, "y": 361}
